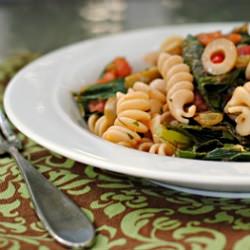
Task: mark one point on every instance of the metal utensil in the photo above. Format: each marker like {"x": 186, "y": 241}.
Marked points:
{"x": 60, "y": 216}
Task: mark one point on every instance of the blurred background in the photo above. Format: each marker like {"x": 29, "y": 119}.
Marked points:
{"x": 48, "y": 24}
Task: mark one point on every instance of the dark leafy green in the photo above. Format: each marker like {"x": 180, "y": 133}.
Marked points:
{"x": 96, "y": 92}
{"x": 222, "y": 153}
{"x": 200, "y": 135}
{"x": 102, "y": 91}
{"x": 214, "y": 89}
{"x": 215, "y": 143}
{"x": 245, "y": 39}
{"x": 229, "y": 152}
{"x": 190, "y": 154}
{"x": 208, "y": 145}
{"x": 198, "y": 139}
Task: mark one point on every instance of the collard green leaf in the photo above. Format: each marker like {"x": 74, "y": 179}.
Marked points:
{"x": 216, "y": 152}
{"x": 102, "y": 91}
{"x": 243, "y": 156}
{"x": 98, "y": 92}
{"x": 229, "y": 153}
{"x": 200, "y": 135}
{"x": 220, "y": 154}
{"x": 189, "y": 154}
{"x": 214, "y": 89}
{"x": 209, "y": 145}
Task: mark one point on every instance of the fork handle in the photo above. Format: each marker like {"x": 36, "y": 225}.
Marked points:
{"x": 60, "y": 216}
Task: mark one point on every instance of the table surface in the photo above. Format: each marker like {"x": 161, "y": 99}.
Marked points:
{"x": 128, "y": 212}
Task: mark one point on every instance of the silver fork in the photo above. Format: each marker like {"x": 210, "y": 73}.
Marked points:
{"x": 60, "y": 216}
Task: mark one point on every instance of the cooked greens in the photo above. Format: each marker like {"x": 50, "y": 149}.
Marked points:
{"x": 214, "y": 89}
{"x": 99, "y": 92}
{"x": 193, "y": 101}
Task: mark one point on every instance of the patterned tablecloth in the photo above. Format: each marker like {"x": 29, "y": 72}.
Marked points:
{"x": 127, "y": 212}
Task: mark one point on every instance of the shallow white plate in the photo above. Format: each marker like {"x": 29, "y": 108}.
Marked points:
{"x": 38, "y": 101}
{"x": 202, "y": 192}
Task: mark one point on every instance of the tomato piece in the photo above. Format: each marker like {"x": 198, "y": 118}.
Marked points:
{"x": 206, "y": 38}
{"x": 218, "y": 57}
{"x": 107, "y": 77}
{"x": 234, "y": 37}
{"x": 244, "y": 50}
{"x": 119, "y": 67}
{"x": 96, "y": 106}
{"x": 122, "y": 67}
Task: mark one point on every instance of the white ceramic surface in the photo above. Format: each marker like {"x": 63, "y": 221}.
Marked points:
{"x": 38, "y": 101}
{"x": 202, "y": 192}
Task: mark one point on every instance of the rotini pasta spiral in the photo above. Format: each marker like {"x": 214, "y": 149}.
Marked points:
{"x": 239, "y": 105}
{"x": 172, "y": 45}
{"x": 98, "y": 124}
{"x": 132, "y": 118}
{"x": 247, "y": 73}
{"x": 151, "y": 57}
{"x": 156, "y": 92}
{"x": 160, "y": 148}
{"x": 179, "y": 86}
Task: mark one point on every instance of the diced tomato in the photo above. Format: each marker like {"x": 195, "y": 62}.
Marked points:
{"x": 107, "y": 77}
{"x": 234, "y": 37}
{"x": 206, "y": 38}
{"x": 96, "y": 106}
{"x": 244, "y": 50}
{"x": 218, "y": 57}
{"x": 122, "y": 67}
{"x": 119, "y": 67}
{"x": 200, "y": 103}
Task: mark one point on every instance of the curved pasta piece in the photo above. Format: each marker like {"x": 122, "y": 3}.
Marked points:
{"x": 247, "y": 73}
{"x": 156, "y": 92}
{"x": 239, "y": 105}
{"x": 132, "y": 118}
{"x": 160, "y": 148}
{"x": 121, "y": 135}
{"x": 155, "y": 123}
{"x": 179, "y": 86}
{"x": 151, "y": 57}
{"x": 242, "y": 120}
{"x": 172, "y": 45}
{"x": 98, "y": 125}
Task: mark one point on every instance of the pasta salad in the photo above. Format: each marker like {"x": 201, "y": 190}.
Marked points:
{"x": 192, "y": 101}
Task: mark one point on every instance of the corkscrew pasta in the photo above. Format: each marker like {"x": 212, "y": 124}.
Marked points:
{"x": 193, "y": 101}
{"x": 239, "y": 105}
{"x": 147, "y": 145}
{"x": 247, "y": 73}
{"x": 172, "y": 45}
{"x": 179, "y": 86}
{"x": 132, "y": 118}
{"x": 156, "y": 92}
{"x": 98, "y": 125}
